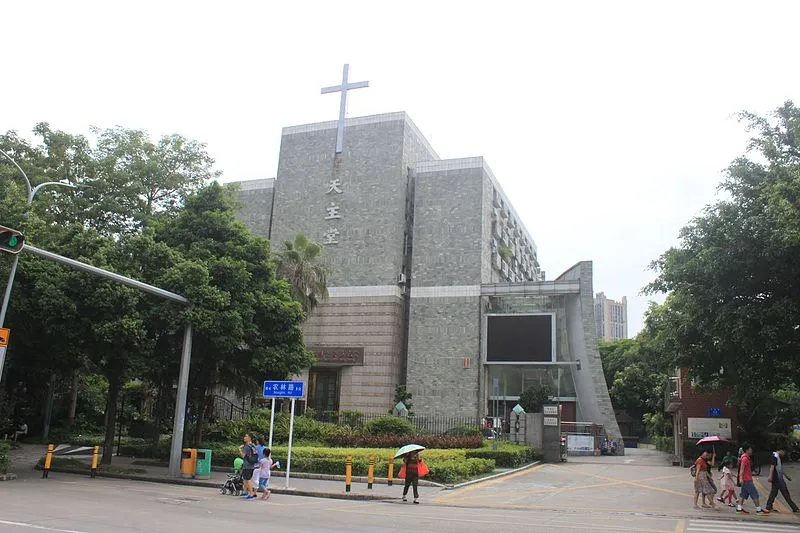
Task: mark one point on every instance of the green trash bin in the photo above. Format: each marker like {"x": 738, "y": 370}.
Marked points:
{"x": 203, "y": 469}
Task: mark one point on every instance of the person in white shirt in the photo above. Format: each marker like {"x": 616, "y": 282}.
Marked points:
{"x": 265, "y": 472}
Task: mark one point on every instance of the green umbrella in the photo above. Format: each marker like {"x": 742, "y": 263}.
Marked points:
{"x": 408, "y": 448}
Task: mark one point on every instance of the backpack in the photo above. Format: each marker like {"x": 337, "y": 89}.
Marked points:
{"x": 252, "y": 457}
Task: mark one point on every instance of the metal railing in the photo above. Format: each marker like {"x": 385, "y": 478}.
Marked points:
{"x": 672, "y": 393}
{"x": 224, "y": 409}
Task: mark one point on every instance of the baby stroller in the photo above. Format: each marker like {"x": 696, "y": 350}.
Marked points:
{"x": 233, "y": 485}
{"x": 235, "y": 482}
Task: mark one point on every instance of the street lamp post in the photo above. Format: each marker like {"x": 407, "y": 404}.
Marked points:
{"x": 31, "y": 194}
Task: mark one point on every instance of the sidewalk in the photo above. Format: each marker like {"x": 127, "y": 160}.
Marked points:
{"x": 126, "y": 468}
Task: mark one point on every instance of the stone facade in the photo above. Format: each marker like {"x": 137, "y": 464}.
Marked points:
{"x": 255, "y": 209}
{"x": 422, "y": 250}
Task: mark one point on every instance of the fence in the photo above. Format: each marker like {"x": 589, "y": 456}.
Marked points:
{"x": 224, "y": 409}
{"x": 431, "y": 424}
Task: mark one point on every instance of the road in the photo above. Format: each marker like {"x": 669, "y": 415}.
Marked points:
{"x": 635, "y": 494}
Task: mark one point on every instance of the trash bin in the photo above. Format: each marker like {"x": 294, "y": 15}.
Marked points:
{"x": 188, "y": 462}
{"x": 203, "y": 469}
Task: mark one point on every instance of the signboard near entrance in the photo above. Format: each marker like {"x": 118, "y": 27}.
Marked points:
{"x": 580, "y": 443}
{"x": 550, "y": 409}
{"x": 284, "y": 389}
{"x": 340, "y": 356}
{"x": 551, "y": 421}
{"x": 709, "y": 427}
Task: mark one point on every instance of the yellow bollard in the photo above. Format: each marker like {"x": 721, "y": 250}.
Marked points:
{"x": 47, "y": 459}
{"x": 94, "y": 460}
{"x": 371, "y": 472}
{"x": 391, "y": 470}
{"x": 348, "y": 473}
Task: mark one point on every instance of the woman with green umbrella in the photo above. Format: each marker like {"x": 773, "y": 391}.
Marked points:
{"x": 413, "y": 468}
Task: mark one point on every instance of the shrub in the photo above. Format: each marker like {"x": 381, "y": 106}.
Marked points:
{"x": 5, "y": 458}
{"x": 534, "y": 397}
{"x": 464, "y": 430}
{"x": 452, "y": 471}
{"x": 507, "y": 456}
{"x": 396, "y": 441}
{"x": 390, "y": 425}
{"x": 305, "y": 428}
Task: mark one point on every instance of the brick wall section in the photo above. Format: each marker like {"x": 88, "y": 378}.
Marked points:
{"x": 695, "y": 405}
{"x": 372, "y": 323}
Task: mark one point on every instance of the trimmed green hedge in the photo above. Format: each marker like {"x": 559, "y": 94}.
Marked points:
{"x": 390, "y": 425}
{"x": 506, "y": 456}
{"x": 447, "y": 466}
{"x": 457, "y": 470}
{"x": 396, "y": 441}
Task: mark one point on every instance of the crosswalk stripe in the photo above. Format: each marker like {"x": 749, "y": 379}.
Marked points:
{"x": 751, "y": 526}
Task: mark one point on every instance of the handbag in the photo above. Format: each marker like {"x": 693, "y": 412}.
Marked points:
{"x": 422, "y": 468}
{"x": 402, "y": 473}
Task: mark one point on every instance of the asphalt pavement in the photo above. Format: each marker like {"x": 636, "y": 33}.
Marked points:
{"x": 637, "y": 493}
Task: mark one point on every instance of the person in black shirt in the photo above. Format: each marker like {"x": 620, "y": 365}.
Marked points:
{"x": 249, "y": 454}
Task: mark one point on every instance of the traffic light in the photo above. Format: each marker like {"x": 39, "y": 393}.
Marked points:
{"x": 11, "y": 240}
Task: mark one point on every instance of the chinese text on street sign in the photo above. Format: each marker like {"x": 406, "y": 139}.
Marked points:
{"x": 284, "y": 389}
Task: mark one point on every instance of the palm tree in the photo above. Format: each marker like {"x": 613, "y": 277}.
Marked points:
{"x": 299, "y": 264}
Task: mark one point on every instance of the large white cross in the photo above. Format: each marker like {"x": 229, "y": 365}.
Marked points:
{"x": 343, "y": 88}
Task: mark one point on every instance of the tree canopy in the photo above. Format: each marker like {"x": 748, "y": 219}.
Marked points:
{"x": 733, "y": 311}
{"x": 149, "y": 212}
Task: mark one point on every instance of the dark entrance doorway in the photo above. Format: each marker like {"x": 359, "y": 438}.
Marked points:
{"x": 323, "y": 389}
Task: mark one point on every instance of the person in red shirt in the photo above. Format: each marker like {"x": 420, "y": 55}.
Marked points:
{"x": 746, "y": 478}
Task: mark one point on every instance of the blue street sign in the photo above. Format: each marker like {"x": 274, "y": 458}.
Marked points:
{"x": 283, "y": 389}
{"x": 715, "y": 411}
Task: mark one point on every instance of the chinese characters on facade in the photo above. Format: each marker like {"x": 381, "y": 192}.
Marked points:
{"x": 333, "y": 213}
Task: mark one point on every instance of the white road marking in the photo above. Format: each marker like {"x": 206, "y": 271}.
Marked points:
{"x": 43, "y": 528}
{"x": 750, "y": 526}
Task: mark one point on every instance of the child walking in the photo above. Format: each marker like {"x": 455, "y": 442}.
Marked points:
{"x": 265, "y": 472}
{"x": 728, "y": 486}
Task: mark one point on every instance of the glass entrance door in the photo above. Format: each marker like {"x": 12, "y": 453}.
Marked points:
{"x": 323, "y": 389}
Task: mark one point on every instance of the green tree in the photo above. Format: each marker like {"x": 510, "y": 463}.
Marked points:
{"x": 734, "y": 301}
{"x": 299, "y": 263}
{"x": 246, "y": 324}
{"x": 534, "y": 397}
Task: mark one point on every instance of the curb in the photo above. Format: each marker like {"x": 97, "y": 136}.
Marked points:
{"x": 308, "y": 475}
{"x": 493, "y": 476}
{"x": 216, "y": 485}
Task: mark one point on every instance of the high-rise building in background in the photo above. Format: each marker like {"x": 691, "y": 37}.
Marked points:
{"x": 611, "y": 317}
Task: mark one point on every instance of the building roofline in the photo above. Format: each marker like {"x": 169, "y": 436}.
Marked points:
{"x": 474, "y": 162}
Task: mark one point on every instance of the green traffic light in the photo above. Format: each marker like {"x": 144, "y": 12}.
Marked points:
{"x": 12, "y": 242}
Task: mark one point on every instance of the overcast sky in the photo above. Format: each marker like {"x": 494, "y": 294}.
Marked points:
{"x": 608, "y": 124}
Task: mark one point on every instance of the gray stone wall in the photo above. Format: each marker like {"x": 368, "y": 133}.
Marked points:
{"x": 443, "y": 331}
{"x": 255, "y": 199}
{"x": 594, "y": 403}
{"x": 371, "y": 205}
{"x": 447, "y": 227}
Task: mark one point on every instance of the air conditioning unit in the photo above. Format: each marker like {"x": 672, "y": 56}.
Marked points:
{"x": 401, "y": 279}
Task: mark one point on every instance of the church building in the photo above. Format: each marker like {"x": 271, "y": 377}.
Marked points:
{"x": 435, "y": 283}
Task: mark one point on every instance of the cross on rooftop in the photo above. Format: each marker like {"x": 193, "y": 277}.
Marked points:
{"x": 343, "y": 88}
